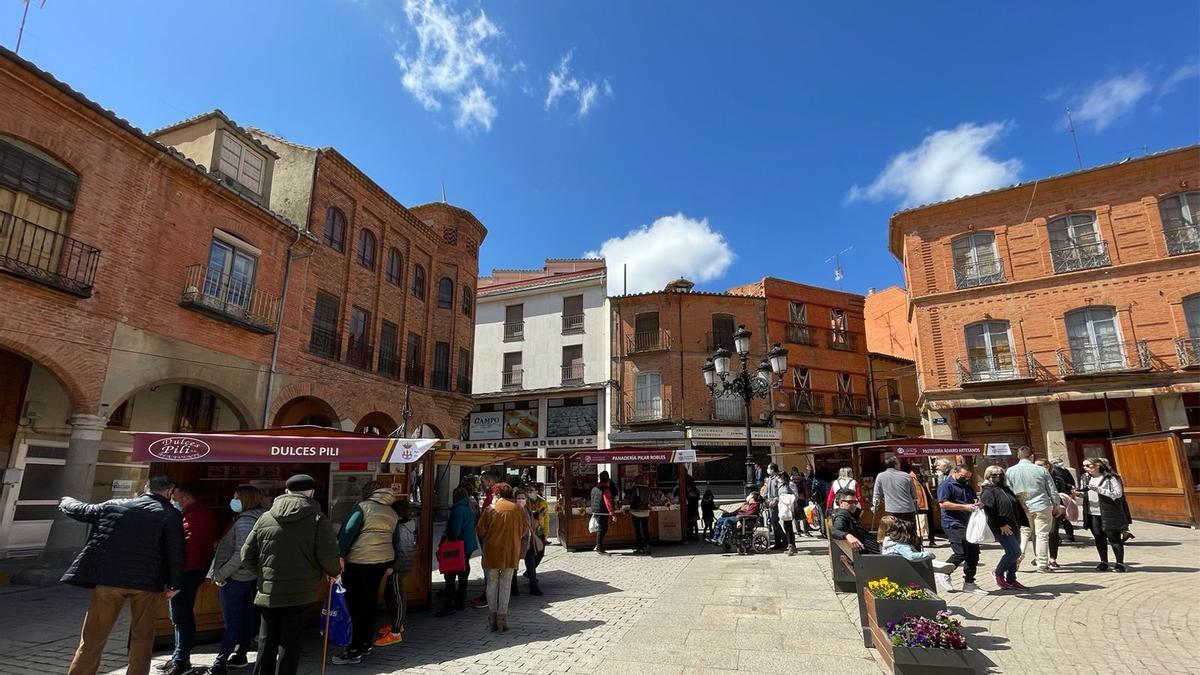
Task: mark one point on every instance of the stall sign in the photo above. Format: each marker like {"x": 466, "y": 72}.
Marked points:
{"x": 685, "y": 455}
{"x": 486, "y": 425}
{"x": 631, "y": 457}
{"x": 998, "y": 450}
{"x": 149, "y": 446}
{"x": 935, "y": 450}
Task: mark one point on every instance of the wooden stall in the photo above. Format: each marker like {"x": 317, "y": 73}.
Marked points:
{"x": 341, "y": 462}
{"x": 1160, "y": 472}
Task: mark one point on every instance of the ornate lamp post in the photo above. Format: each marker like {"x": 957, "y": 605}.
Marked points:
{"x": 743, "y": 384}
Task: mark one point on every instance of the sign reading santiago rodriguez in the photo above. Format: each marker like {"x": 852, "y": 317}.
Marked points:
{"x": 163, "y": 447}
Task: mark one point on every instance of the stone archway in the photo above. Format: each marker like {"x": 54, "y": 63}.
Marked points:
{"x": 198, "y": 393}
{"x": 306, "y": 410}
{"x": 376, "y": 424}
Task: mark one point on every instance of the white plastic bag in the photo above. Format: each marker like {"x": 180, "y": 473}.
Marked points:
{"x": 786, "y": 507}
{"x": 594, "y": 525}
{"x": 978, "y": 531}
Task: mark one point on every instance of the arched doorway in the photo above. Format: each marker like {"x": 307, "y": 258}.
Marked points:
{"x": 307, "y": 411}
{"x": 376, "y": 424}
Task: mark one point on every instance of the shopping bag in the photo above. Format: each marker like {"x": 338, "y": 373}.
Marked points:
{"x": 810, "y": 514}
{"x": 593, "y": 525}
{"x": 786, "y": 502}
{"x": 337, "y": 617}
{"x": 452, "y": 557}
{"x": 978, "y": 531}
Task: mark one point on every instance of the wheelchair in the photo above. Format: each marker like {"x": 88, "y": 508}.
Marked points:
{"x": 748, "y": 535}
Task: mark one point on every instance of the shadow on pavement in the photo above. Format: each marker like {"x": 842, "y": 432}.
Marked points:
{"x": 1052, "y": 591}
{"x": 981, "y": 641}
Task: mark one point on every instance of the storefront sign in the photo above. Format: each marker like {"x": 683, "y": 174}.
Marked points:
{"x": 531, "y": 443}
{"x": 735, "y": 433}
{"x": 486, "y": 425}
{"x": 936, "y": 450}
{"x": 155, "y": 446}
{"x": 520, "y": 424}
{"x": 685, "y": 455}
{"x": 627, "y": 457}
{"x": 998, "y": 450}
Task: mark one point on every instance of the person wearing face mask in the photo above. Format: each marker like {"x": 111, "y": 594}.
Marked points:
{"x": 235, "y": 582}
{"x": 200, "y": 536}
{"x": 1005, "y": 517}
{"x": 539, "y": 518}
{"x": 774, "y": 484}
{"x": 365, "y": 543}
{"x": 958, "y": 500}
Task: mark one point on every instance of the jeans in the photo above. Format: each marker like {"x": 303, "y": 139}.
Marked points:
{"x": 1039, "y": 533}
{"x": 1007, "y": 567}
{"x": 394, "y": 597}
{"x": 966, "y": 554}
{"x": 102, "y": 612}
{"x": 182, "y": 616}
{"x": 240, "y": 617}
{"x": 1105, "y": 538}
{"x": 281, "y": 630}
{"x": 362, "y": 590}
{"x": 603, "y": 520}
{"x": 532, "y": 558}
{"x": 499, "y": 589}
{"x": 789, "y": 534}
{"x": 641, "y": 530}
{"x": 721, "y": 527}
{"x": 456, "y": 586}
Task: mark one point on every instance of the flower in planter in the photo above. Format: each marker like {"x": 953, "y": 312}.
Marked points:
{"x": 886, "y": 589}
{"x": 918, "y": 632}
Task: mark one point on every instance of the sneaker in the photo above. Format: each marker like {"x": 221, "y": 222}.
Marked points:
{"x": 1018, "y": 585}
{"x": 535, "y": 590}
{"x": 1102, "y": 567}
{"x": 177, "y": 668}
{"x": 943, "y": 582}
{"x": 973, "y": 588}
{"x": 1119, "y": 568}
{"x": 1045, "y": 570}
{"x": 1054, "y": 565}
{"x": 389, "y": 638}
{"x": 213, "y": 670}
{"x": 345, "y": 658}
{"x": 603, "y": 552}
{"x": 237, "y": 661}
{"x": 167, "y": 666}
{"x": 479, "y": 603}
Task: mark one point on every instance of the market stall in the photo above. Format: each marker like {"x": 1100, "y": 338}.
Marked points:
{"x": 213, "y": 464}
{"x": 1161, "y": 475}
{"x": 629, "y": 468}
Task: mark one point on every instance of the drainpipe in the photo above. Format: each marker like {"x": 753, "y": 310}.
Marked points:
{"x": 287, "y": 277}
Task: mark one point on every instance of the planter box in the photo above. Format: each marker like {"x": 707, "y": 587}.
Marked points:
{"x": 916, "y": 661}
{"x": 883, "y": 612}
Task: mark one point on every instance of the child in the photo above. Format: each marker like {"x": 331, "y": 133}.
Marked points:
{"x": 404, "y": 542}
{"x": 708, "y": 506}
{"x": 898, "y": 538}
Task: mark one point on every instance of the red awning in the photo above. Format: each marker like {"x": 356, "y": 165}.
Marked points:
{"x": 302, "y": 446}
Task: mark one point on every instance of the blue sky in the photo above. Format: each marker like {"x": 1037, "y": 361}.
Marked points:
{"x": 748, "y": 140}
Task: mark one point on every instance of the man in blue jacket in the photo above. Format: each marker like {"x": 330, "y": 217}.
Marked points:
{"x": 134, "y": 553}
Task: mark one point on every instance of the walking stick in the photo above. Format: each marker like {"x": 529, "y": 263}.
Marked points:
{"x": 328, "y": 618}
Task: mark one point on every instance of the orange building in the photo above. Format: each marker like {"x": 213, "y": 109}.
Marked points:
{"x": 886, "y": 314}
{"x": 1061, "y": 312}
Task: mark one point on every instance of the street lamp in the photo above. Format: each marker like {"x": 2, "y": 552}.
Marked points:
{"x": 743, "y": 384}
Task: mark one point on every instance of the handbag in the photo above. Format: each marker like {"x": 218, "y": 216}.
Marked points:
{"x": 786, "y": 504}
{"x": 978, "y": 531}
{"x": 337, "y": 617}
{"x": 593, "y": 525}
{"x": 452, "y": 557}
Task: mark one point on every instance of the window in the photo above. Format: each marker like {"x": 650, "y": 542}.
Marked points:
{"x": 395, "y": 267}
{"x": 845, "y": 385}
{"x": 230, "y": 275}
{"x": 797, "y": 312}
{"x": 648, "y": 400}
{"x": 37, "y": 195}
{"x": 414, "y": 364}
{"x": 468, "y": 299}
{"x": 975, "y": 260}
{"x": 839, "y": 334}
{"x": 1191, "y": 315}
{"x": 1095, "y": 340}
{"x": 572, "y": 364}
{"x": 1075, "y": 243}
{"x": 119, "y": 418}
{"x": 801, "y": 379}
{"x": 196, "y": 410}
{"x": 241, "y": 163}
{"x": 722, "y": 332}
{"x": 798, "y": 331}
{"x": 335, "y": 229}
{"x": 816, "y": 434}
{"x": 1181, "y": 222}
{"x": 512, "y": 376}
{"x": 989, "y": 352}
{"x": 27, "y": 170}
{"x": 326, "y": 339}
{"x": 646, "y": 333}
{"x": 464, "y": 371}
{"x": 418, "y": 282}
{"x": 514, "y": 323}
{"x": 446, "y": 293}
{"x": 389, "y": 336}
{"x": 359, "y": 352}
{"x": 1188, "y": 348}
{"x": 572, "y": 314}
{"x": 366, "y": 249}
{"x": 441, "y": 366}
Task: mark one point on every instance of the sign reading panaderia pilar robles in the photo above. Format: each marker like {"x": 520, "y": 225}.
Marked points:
{"x": 165, "y": 447}
{"x": 627, "y": 457}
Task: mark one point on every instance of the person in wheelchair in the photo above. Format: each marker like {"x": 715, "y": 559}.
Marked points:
{"x": 726, "y": 523}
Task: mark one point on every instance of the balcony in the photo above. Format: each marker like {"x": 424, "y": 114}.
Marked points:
{"x": 389, "y": 365}
{"x": 849, "y": 405}
{"x": 648, "y": 341}
{"x": 719, "y": 339}
{"x": 325, "y": 343}
{"x": 728, "y": 409}
{"x": 1182, "y": 237}
{"x": 651, "y": 410}
{"x": 841, "y": 339}
{"x": 800, "y": 334}
{"x": 359, "y": 352}
{"x": 803, "y": 401}
{"x": 1104, "y": 358}
{"x": 441, "y": 379}
{"x": 1001, "y": 367}
{"x": 572, "y": 373}
{"x": 572, "y": 323}
{"x": 414, "y": 374}
{"x": 1081, "y": 257}
{"x": 233, "y": 299}
{"x": 1188, "y": 350}
{"x": 981, "y": 273}
{"x": 514, "y": 331}
{"x": 464, "y": 385}
{"x": 511, "y": 379}
{"x": 33, "y": 252}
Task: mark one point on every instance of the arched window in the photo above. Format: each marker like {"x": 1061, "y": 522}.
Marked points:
{"x": 1181, "y": 222}
{"x": 335, "y": 229}
{"x": 1094, "y": 337}
{"x": 975, "y": 260}
{"x": 446, "y": 293}
{"x": 366, "y": 249}
{"x": 1075, "y": 243}
{"x": 989, "y": 352}
{"x": 468, "y": 299}
{"x": 394, "y": 270}
{"x": 418, "y": 282}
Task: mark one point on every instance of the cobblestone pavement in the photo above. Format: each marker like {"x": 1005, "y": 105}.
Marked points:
{"x": 690, "y": 609}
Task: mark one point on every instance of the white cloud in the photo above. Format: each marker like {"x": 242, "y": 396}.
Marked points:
{"x": 561, "y": 82}
{"x": 1184, "y": 73}
{"x": 1108, "y": 100}
{"x": 948, "y": 163}
{"x": 669, "y": 248}
{"x": 452, "y": 61}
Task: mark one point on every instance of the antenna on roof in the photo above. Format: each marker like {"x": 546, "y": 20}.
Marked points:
{"x": 836, "y": 259}
{"x": 443, "y": 191}
{"x": 21, "y": 30}
{"x": 1074, "y": 140}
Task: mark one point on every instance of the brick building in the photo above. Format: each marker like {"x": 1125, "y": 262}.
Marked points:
{"x": 149, "y": 285}
{"x": 886, "y": 316}
{"x": 1062, "y": 312}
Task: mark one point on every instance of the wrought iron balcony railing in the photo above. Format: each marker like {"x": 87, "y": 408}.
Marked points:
{"x": 414, "y": 374}
{"x": 801, "y": 334}
{"x": 359, "y": 352}
{"x": 1081, "y": 257}
{"x": 1182, "y": 237}
{"x": 1188, "y": 350}
{"x": 850, "y": 405}
{"x": 652, "y": 410}
{"x": 464, "y": 384}
{"x": 804, "y": 401}
{"x": 229, "y": 297}
{"x": 47, "y": 257}
{"x": 512, "y": 379}
{"x": 841, "y": 339}
{"x": 389, "y": 363}
{"x": 727, "y": 409}
{"x": 1105, "y": 357}
{"x": 1000, "y": 367}
{"x": 514, "y": 331}
{"x": 441, "y": 379}
{"x": 648, "y": 341}
{"x": 572, "y": 373}
{"x": 325, "y": 342}
{"x": 981, "y": 273}
{"x": 572, "y": 323}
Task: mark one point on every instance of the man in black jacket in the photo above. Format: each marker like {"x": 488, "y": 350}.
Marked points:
{"x": 134, "y": 552}
{"x": 846, "y": 526}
